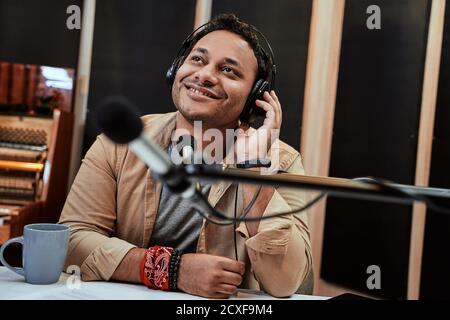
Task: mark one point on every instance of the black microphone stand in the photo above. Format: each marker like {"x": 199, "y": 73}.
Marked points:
{"x": 363, "y": 189}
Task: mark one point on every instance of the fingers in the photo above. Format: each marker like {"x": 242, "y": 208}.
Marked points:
{"x": 231, "y": 278}
{"x": 273, "y": 100}
{"x": 272, "y": 107}
{"x": 278, "y": 110}
{"x": 226, "y": 289}
{"x": 233, "y": 266}
{"x": 271, "y": 118}
{"x": 209, "y": 276}
{"x": 243, "y": 127}
{"x": 265, "y": 105}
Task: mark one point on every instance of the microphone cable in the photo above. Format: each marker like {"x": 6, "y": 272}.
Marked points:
{"x": 244, "y": 213}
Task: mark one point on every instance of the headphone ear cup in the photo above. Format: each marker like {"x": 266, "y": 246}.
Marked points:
{"x": 250, "y": 110}
{"x": 172, "y": 72}
{"x": 169, "y": 75}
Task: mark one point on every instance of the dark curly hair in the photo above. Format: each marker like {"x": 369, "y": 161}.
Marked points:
{"x": 232, "y": 23}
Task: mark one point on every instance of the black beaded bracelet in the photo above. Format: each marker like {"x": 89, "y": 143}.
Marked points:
{"x": 173, "y": 269}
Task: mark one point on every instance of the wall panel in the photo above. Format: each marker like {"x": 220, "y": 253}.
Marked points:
{"x": 135, "y": 42}
{"x": 435, "y": 278}
{"x": 375, "y": 134}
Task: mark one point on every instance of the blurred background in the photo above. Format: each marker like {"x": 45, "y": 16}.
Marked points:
{"x": 364, "y": 91}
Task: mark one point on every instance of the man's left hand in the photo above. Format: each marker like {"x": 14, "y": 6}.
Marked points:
{"x": 254, "y": 143}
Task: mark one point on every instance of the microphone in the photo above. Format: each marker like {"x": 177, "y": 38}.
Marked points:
{"x": 119, "y": 120}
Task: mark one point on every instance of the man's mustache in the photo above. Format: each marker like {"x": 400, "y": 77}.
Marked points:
{"x": 197, "y": 85}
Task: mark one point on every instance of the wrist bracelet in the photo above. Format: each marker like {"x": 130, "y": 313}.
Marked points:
{"x": 154, "y": 268}
{"x": 173, "y": 269}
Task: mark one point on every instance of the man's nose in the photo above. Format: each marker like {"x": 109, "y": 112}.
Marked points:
{"x": 206, "y": 75}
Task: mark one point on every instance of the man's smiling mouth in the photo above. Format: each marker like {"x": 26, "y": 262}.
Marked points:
{"x": 201, "y": 91}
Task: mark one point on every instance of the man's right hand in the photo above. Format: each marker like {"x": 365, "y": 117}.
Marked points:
{"x": 209, "y": 276}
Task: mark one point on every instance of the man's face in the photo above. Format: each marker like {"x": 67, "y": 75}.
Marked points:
{"x": 215, "y": 79}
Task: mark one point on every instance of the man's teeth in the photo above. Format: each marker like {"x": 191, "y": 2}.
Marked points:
{"x": 200, "y": 93}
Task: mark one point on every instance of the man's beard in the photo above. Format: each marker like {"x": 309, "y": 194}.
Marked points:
{"x": 208, "y": 120}
{"x": 194, "y": 116}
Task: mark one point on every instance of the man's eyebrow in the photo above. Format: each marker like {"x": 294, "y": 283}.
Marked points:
{"x": 233, "y": 62}
{"x": 227, "y": 60}
{"x": 201, "y": 50}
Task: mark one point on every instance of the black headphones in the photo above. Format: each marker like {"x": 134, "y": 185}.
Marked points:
{"x": 250, "y": 112}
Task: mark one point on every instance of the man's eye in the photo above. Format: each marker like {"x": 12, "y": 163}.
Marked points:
{"x": 196, "y": 59}
{"x": 227, "y": 69}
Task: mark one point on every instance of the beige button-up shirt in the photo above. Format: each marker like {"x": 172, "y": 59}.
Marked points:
{"x": 113, "y": 202}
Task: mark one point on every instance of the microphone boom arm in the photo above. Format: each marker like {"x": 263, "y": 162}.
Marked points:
{"x": 339, "y": 187}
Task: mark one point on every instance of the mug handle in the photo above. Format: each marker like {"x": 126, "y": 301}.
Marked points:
{"x": 19, "y": 271}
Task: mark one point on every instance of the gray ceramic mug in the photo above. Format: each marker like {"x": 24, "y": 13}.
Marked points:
{"x": 44, "y": 252}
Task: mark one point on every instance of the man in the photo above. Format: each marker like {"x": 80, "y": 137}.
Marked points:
{"x": 116, "y": 210}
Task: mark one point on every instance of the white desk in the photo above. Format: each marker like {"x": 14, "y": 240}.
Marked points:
{"x": 13, "y": 286}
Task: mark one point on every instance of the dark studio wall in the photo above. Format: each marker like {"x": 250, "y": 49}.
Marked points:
{"x": 135, "y": 42}
{"x": 285, "y": 24}
{"x": 35, "y": 32}
{"x": 375, "y": 134}
{"x": 435, "y": 278}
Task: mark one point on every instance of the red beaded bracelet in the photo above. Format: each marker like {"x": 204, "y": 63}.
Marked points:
{"x": 154, "y": 267}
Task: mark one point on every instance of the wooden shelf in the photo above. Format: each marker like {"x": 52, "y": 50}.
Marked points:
{"x": 5, "y": 231}
{"x": 21, "y": 166}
